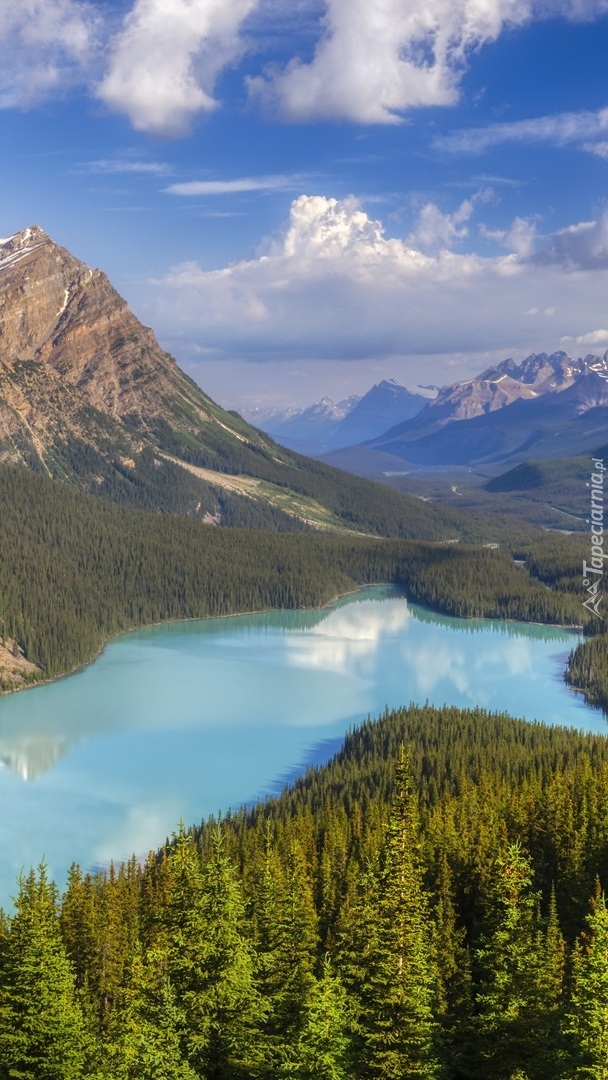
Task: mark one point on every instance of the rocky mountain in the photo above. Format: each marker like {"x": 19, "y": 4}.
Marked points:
{"x": 79, "y": 373}
{"x": 497, "y": 387}
{"x": 553, "y": 424}
{"x": 328, "y": 425}
{"x": 88, "y": 396}
{"x": 483, "y": 420}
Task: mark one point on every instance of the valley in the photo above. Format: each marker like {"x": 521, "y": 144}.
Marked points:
{"x": 136, "y": 514}
{"x": 303, "y": 618}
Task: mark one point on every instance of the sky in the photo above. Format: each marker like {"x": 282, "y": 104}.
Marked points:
{"x": 303, "y": 197}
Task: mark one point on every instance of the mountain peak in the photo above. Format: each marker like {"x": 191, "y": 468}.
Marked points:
{"x": 19, "y": 245}
{"x": 33, "y": 234}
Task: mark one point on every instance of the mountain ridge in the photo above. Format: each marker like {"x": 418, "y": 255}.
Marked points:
{"x": 88, "y": 396}
{"x": 577, "y": 416}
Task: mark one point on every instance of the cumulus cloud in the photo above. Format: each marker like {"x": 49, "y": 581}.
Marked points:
{"x": 166, "y": 58}
{"x": 377, "y": 58}
{"x": 438, "y": 230}
{"x": 334, "y": 285}
{"x": 560, "y": 130}
{"x": 44, "y": 44}
{"x": 520, "y": 238}
{"x": 372, "y": 59}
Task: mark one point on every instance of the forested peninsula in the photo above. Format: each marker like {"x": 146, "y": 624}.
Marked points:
{"x": 427, "y": 905}
{"x": 587, "y": 670}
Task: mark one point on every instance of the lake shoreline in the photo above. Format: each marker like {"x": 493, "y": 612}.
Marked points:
{"x": 263, "y": 611}
{"x": 185, "y": 719}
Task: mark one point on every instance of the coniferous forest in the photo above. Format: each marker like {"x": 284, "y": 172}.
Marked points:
{"x": 76, "y": 570}
{"x": 429, "y": 904}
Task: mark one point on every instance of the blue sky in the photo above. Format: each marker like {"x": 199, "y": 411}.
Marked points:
{"x": 304, "y": 197}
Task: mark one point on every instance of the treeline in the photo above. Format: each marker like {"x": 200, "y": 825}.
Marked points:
{"x": 587, "y": 670}
{"x": 75, "y": 570}
{"x": 432, "y": 913}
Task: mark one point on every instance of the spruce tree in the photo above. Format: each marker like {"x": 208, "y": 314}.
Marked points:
{"x": 587, "y": 1021}
{"x": 42, "y": 1030}
{"x": 322, "y": 1051}
{"x": 516, "y": 980}
{"x": 211, "y": 965}
{"x": 389, "y": 961}
{"x": 144, "y": 1032}
{"x": 454, "y": 1000}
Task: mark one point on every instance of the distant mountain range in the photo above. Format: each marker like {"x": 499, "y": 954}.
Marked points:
{"x": 306, "y": 430}
{"x": 545, "y": 407}
{"x": 327, "y": 425}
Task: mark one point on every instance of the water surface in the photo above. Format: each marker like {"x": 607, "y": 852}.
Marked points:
{"x": 183, "y": 720}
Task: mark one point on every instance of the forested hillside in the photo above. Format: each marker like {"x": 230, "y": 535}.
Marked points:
{"x": 428, "y": 905}
{"x": 75, "y": 570}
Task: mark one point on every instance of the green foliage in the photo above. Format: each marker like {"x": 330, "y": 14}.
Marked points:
{"x": 42, "y": 1029}
{"x": 322, "y": 1052}
{"x": 143, "y": 1041}
{"x": 516, "y": 996}
{"x": 396, "y": 1027}
{"x": 588, "y": 1012}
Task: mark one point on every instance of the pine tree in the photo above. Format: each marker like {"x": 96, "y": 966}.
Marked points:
{"x": 42, "y": 1031}
{"x": 454, "y": 1000}
{"x": 144, "y": 1032}
{"x": 516, "y": 975}
{"x": 587, "y": 1021}
{"x": 211, "y": 964}
{"x": 389, "y": 963}
{"x": 551, "y": 997}
{"x": 322, "y": 1050}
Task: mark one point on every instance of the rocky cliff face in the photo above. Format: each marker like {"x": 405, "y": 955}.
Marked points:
{"x": 56, "y": 311}
{"x": 85, "y": 389}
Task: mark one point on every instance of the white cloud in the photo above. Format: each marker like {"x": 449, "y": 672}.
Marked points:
{"x": 600, "y": 149}
{"x": 560, "y": 130}
{"x": 333, "y": 285}
{"x": 438, "y": 230}
{"x": 44, "y": 44}
{"x": 166, "y": 58}
{"x": 280, "y": 182}
{"x": 593, "y": 339}
{"x": 372, "y": 59}
{"x": 110, "y": 166}
{"x": 377, "y": 58}
{"x": 520, "y": 238}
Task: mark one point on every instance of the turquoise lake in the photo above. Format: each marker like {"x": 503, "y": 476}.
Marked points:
{"x": 183, "y": 720}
